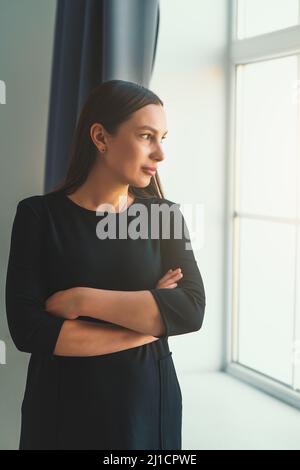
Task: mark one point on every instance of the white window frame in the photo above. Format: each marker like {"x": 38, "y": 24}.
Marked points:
{"x": 272, "y": 45}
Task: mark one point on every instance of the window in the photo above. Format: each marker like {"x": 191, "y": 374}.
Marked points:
{"x": 263, "y": 16}
{"x": 265, "y": 196}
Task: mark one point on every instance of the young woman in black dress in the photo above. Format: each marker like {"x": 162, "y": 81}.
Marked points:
{"x": 95, "y": 313}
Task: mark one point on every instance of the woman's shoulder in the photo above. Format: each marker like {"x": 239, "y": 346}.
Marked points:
{"x": 37, "y": 203}
{"x": 30, "y": 201}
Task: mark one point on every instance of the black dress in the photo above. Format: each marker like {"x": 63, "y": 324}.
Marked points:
{"x": 129, "y": 399}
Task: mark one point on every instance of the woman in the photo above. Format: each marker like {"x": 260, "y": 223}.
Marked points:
{"x": 96, "y": 313}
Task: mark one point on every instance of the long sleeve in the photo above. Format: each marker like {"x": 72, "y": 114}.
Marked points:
{"x": 182, "y": 308}
{"x": 32, "y": 328}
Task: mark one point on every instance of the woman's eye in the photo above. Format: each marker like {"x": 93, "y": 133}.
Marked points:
{"x": 149, "y": 135}
{"x": 163, "y": 138}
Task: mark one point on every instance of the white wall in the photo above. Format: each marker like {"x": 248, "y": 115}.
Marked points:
{"x": 189, "y": 76}
{"x": 26, "y": 43}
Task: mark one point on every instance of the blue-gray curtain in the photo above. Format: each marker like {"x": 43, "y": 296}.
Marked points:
{"x": 94, "y": 41}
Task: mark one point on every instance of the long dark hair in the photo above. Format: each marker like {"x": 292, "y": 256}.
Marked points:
{"x": 111, "y": 103}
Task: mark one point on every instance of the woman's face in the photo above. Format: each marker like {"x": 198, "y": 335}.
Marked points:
{"x": 134, "y": 146}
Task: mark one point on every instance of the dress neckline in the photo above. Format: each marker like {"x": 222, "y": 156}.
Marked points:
{"x": 93, "y": 212}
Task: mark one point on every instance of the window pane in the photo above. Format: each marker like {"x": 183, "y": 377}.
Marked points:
{"x": 263, "y": 16}
{"x": 267, "y": 136}
{"x": 266, "y": 297}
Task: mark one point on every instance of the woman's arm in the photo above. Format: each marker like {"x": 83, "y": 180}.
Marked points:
{"x": 81, "y": 338}
{"x": 136, "y": 310}
{"x": 32, "y": 328}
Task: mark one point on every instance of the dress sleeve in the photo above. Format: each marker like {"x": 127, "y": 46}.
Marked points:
{"x": 32, "y": 328}
{"x": 182, "y": 308}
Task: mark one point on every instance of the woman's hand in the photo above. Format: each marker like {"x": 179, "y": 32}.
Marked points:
{"x": 168, "y": 281}
{"x": 64, "y": 303}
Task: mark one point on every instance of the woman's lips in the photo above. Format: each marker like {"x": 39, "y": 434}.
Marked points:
{"x": 149, "y": 171}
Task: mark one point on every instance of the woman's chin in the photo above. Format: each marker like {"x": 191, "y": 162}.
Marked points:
{"x": 142, "y": 183}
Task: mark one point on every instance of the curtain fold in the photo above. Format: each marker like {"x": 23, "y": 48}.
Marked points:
{"x": 94, "y": 41}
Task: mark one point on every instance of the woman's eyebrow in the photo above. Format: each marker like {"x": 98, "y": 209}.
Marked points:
{"x": 151, "y": 128}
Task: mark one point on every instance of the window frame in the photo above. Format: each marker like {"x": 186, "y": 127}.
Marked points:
{"x": 270, "y": 45}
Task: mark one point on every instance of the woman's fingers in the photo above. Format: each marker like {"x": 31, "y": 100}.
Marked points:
{"x": 175, "y": 276}
{"x": 167, "y": 281}
{"x": 168, "y": 286}
{"x": 170, "y": 274}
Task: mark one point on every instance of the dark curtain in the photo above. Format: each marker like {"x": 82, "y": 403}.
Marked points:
{"x": 94, "y": 41}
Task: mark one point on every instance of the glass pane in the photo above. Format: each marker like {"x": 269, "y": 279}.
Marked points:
{"x": 267, "y": 137}
{"x": 266, "y": 297}
{"x": 263, "y": 16}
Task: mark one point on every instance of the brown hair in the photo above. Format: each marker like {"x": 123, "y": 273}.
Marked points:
{"x": 111, "y": 103}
